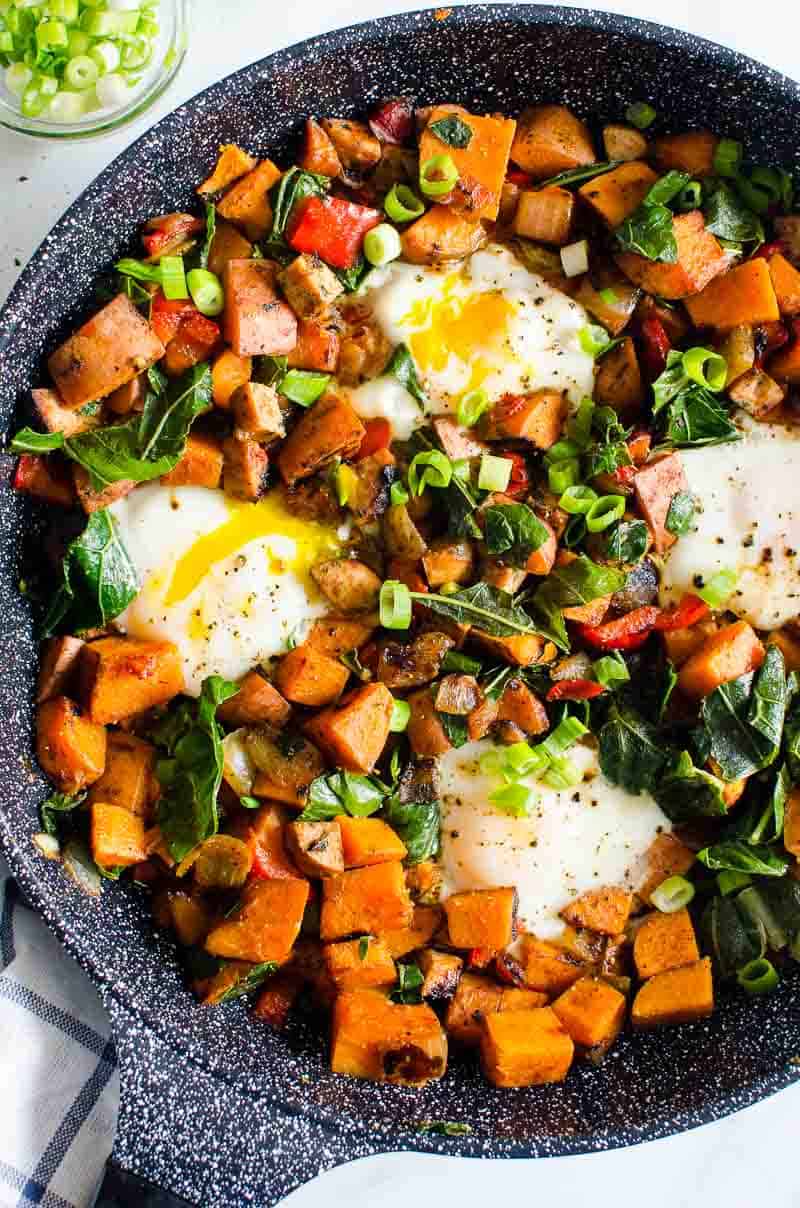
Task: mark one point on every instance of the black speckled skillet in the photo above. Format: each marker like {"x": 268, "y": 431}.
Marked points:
{"x": 215, "y": 1109}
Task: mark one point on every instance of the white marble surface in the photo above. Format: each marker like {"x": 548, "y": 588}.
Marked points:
{"x": 744, "y": 1161}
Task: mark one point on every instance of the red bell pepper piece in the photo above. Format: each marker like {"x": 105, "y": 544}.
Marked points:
{"x": 378, "y": 435}
{"x": 200, "y": 330}
{"x": 519, "y": 482}
{"x": 393, "y": 121}
{"x": 265, "y": 868}
{"x": 332, "y": 228}
{"x": 166, "y": 316}
{"x": 519, "y": 178}
{"x": 507, "y": 969}
{"x": 655, "y": 345}
{"x": 624, "y": 633}
{"x": 768, "y": 250}
{"x": 690, "y": 610}
{"x": 479, "y": 958}
{"x": 576, "y": 689}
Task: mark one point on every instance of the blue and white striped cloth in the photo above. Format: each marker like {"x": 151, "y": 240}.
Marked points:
{"x": 59, "y": 1085}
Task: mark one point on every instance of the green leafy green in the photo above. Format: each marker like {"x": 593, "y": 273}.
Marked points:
{"x": 515, "y": 531}
{"x": 791, "y": 740}
{"x": 648, "y": 230}
{"x": 401, "y": 365}
{"x": 670, "y": 381}
{"x": 211, "y": 230}
{"x": 353, "y": 278}
{"x": 413, "y": 810}
{"x": 99, "y": 579}
{"x": 409, "y": 984}
{"x": 53, "y": 810}
{"x": 488, "y": 608}
{"x": 343, "y": 793}
{"x": 767, "y": 711}
{"x": 576, "y": 176}
{"x": 728, "y": 217}
{"x": 743, "y": 719}
{"x": 736, "y": 856}
{"x": 459, "y": 502}
{"x": 681, "y": 513}
{"x": 732, "y": 938}
{"x": 627, "y": 542}
{"x": 452, "y": 130}
{"x": 28, "y": 441}
{"x": 685, "y": 791}
{"x": 696, "y": 417}
{"x": 608, "y": 450}
{"x": 190, "y": 778}
{"x": 250, "y": 981}
{"x": 444, "y": 1128}
{"x": 631, "y": 752}
{"x": 577, "y": 583}
{"x": 455, "y": 728}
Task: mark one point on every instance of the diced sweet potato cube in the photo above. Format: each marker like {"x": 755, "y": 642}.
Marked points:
{"x": 228, "y": 372}
{"x": 191, "y": 917}
{"x": 350, "y": 585}
{"x": 356, "y": 146}
{"x": 615, "y": 195}
{"x": 786, "y": 283}
{"x": 369, "y": 841}
{"x": 369, "y": 900}
{"x": 537, "y": 417}
{"x": 482, "y": 918}
{"x": 256, "y": 322}
{"x": 441, "y": 235}
{"x": 545, "y": 215}
{"x": 521, "y": 650}
{"x": 619, "y": 379}
{"x": 130, "y": 764}
{"x": 730, "y": 652}
{"x": 681, "y": 643}
{"x": 744, "y": 294}
{"x": 227, "y": 244}
{"x": 283, "y": 776}
{"x": 373, "y": 1038}
{"x": 655, "y": 486}
{"x": 307, "y": 677}
{"x": 441, "y": 971}
{"x": 319, "y": 153}
{"x": 317, "y": 346}
{"x": 420, "y": 931}
{"x": 592, "y": 1011}
{"x": 664, "y": 941}
{"x": 522, "y": 708}
{"x": 245, "y": 464}
{"x": 676, "y": 996}
{"x": 359, "y": 964}
{"x": 117, "y": 836}
{"x": 200, "y": 465}
{"x": 315, "y": 847}
{"x": 69, "y": 746}
{"x": 353, "y": 733}
{"x": 247, "y": 201}
{"x": 448, "y": 561}
{"x": 475, "y": 998}
{"x": 666, "y": 857}
{"x": 337, "y": 635}
{"x": 700, "y": 259}
{"x": 309, "y": 286}
{"x": 265, "y": 925}
{"x": 57, "y": 418}
{"x": 691, "y": 152}
{"x": 785, "y": 364}
{"x": 551, "y": 139}
{"x": 120, "y": 677}
{"x": 256, "y": 701}
{"x": 548, "y": 967}
{"x": 525, "y": 1048}
{"x": 57, "y": 668}
{"x": 614, "y": 315}
{"x": 327, "y": 430}
{"x": 623, "y": 142}
{"x": 232, "y": 162}
{"x": 542, "y": 560}
{"x": 484, "y": 159}
{"x": 277, "y": 998}
{"x": 117, "y": 344}
{"x": 45, "y": 478}
{"x": 791, "y": 824}
{"x": 605, "y": 910}
{"x": 425, "y": 730}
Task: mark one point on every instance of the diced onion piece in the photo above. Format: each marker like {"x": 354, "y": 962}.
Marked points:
{"x": 112, "y": 90}
{"x": 237, "y": 766}
{"x": 575, "y": 258}
{"x": 82, "y": 868}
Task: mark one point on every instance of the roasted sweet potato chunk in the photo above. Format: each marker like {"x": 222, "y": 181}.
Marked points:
{"x": 441, "y": 235}
{"x": 120, "y": 677}
{"x": 475, "y": 998}
{"x": 319, "y": 153}
{"x": 257, "y": 322}
{"x": 369, "y": 900}
{"x": 359, "y": 964}
{"x": 482, "y": 918}
{"x": 130, "y": 764}
{"x": 700, "y": 259}
{"x": 247, "y": 201}
{"x": 623, "y": 142}
{"x": 265, "y": 925}
{"x": 70, "y": 747}
{"x": 536, "y": 417}
{"x": 227, "y": 244}
{"x": 338, "y": 635}
{"x": 350, "y": 585}
{"x": 550, "y": 139}
{"x": 316, "y": 847}
{"x": 691, "y": 152}
{"x": 525, "y": 1048}
{"x": 256, "y": 701}
{"x": 117, "y": 836}
{"x": 420, "y": 931}
{"x": 484, "y": 160}
{"x": 605, "y": 910}
{"x": 545, "y": 215}
{"x": 666, "y": 857}
{"x": 730, "y": 652}
{"x": 743, "y": 295}
{"x": 232, "y": 163}
{"x": 664, "y": 941}
{"x": 549, "y": 967}
{"x": 786, "y": 283}
{"x": 307, "y": 677}
{"x": 369, "y": 841}
{"x": 757, "y": 393}
{"x": 791, "y": 824}
{"x": 448, "y": 561}
{"x": 521, "y": 650}
{"x": 357, "y": 148}
{"x": 616, "y": 194}
{"x": 425, "y": 731}
{"x": 200, "y": 465}
{"x": 441, "y": 971}
{"x": 676, "y": 996}
{"x": 317, "y": 346}
{"x": 93, "y": 500}
{"x": 117, "y": 344}
{"x": 329, "y": 429}
{"x": 353, "y": 733}
{"x": 619, "y": 381}
{"x": 592, "y": 1011}
{"x": 376, "y": 1039}
{"x": 228, "y": 372}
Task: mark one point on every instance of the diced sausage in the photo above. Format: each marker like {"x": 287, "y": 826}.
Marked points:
{"x": 58, "y": 418}
{"x": 245, "y": 468}
{"x": 350, "y": 585}
{"x": 655, "y": 486}
{"x": 114, "y": 346}
{"x": 257, "y": 322}
{"x": 327, "y": 430}
{"x": 257, "y": 412}
{"x": 457, "y": 442}
{"x": 57, "y": 667}
{"x": 309, "y": 286}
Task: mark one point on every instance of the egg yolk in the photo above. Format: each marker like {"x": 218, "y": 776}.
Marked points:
{"x": 250, "y": 522}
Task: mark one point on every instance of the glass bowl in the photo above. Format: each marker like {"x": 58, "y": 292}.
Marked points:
{"x": 168, "y": 54}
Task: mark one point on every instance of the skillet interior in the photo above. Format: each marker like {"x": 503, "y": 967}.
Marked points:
{"x": 492, "y": 58}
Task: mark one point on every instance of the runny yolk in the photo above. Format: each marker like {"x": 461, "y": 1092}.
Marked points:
{"x": 455, "y": 325}
{"x": 250, "y": 522}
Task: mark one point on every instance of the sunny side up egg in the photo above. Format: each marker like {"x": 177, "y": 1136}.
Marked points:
{"x": 748, "y": 493}
{"x": 488, "y": 323}
{"x": 227, "y": 582}
{"x": 572, "y": 840}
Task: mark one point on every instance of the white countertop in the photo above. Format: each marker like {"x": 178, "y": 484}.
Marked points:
{"x": 744, "y": 1161}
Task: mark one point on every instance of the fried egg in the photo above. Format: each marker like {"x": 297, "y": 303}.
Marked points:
{"x": 572, "y": 840}
{"x": 488, "y": 323}
{"x": 748, "y": 521}
{"x": 226, "y": 581}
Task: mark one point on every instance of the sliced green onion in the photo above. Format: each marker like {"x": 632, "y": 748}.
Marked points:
{"x": 105, "y": 55}
{"x": 401, "y": 715}
{"x": 108, "y": 24}
{"x": 729, "y": 881}
{"x": 604, "y": 512}
{"x": 689, "y": 197}
{"x": 494, "y": 473}
{"x": 593, "y": 339}
{"x": 402, "y": 204}
{"x": 461, "y": 469}
{"x": 17, "y": 78}
{"x": 112, "y": 90}
{"x": 641, "y": 115}
{"x": 577, "y": 500}
{"x": 611, "y": 669}
{"x": 51, "y": 35}
{"x": 672, "y": 894}
{"x": 382, "y": 244}
{"x": 437, "y": 175}
{"x": 579, "y": 427}
{"x": 719, "y": 588}
{"x": 173, "y": 278}
{"x": 394, "y": 605}
{"x": 727, "y": 157}
{"x": 564, "y": 474}
{"x": 303, "y": 386}
{"x": 471, "y": 407}
{"x": 81, "y": 73}
{"x": 609, "y": 296}
{"x": 6, "y": 44}
{"x": 398, "y": 494}
{"x": 78, "y": 43}
{"x": 575, "y": 258}
{"x": 706, "y": 367}
{"x": 136, "y": 54}
{"x": 566, "y": 733}
{"x": 69, "y": 106}
{"x": 461, "y": 664}
{"x": 758, "y": 977}
{"x": 521, "y": 759}
{"x": 431, "y": 469}
{"x": 511, "y": 799}
{"x": 491, "y": 762}
{"x": 562, "y": 774}
{"x": 206, "y": 290}
{"x": 562, "y": 450}
{"x": 35, "y": 98}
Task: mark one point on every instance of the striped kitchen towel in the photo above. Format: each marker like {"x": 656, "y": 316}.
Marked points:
{"x": 59, "y": 1086}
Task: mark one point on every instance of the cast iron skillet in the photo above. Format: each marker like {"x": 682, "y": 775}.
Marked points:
{"x": 215, "y": 1108}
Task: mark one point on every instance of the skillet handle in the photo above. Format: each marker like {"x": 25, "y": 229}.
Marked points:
{"x": 187, "y": 1137}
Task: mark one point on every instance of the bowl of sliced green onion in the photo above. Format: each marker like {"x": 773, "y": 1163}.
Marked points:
{"x": 79, "y": 68}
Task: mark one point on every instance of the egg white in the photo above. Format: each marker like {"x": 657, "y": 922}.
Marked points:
{"x": 488, "y": 323}
{"x": 219, "y": 579}
{"x": 749, "y": 495}
{"x": 573, "y": 839}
